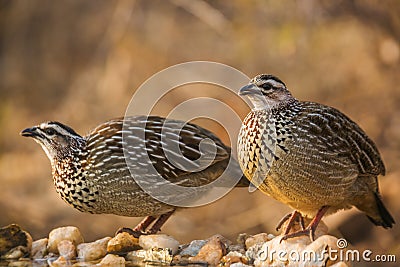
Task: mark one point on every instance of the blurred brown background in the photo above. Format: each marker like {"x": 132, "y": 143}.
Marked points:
{"x": 79, "y": 62}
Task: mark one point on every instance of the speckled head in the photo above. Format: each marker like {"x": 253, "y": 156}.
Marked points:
{"x": 56, "y": 139}
{"x": 266, "y": 91}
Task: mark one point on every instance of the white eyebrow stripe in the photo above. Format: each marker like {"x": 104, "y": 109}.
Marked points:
{"x": 276, "y": 83}
{"x": 60, "y": 130}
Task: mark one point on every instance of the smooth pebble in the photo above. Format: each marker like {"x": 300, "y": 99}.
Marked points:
{"x": 39, "y": 248}
{"x": 70, "y": 233}
{"x": 112, "y": 260}
{"x": 122, "y": 242}
{"x": 193, "y": 248}
{"x": 94, "y": 250}
{"x": 67, "y": 249}
{"x": 211, "y": 253}
{"x": 159, "y": 241}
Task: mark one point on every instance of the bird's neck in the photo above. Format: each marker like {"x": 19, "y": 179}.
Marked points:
{"x": 266, "y": 103}
{"x": 65, "y": 168}
{"x": 67, "y": 160}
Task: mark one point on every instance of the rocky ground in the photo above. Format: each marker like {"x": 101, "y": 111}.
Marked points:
{"x": 65, "y": 246}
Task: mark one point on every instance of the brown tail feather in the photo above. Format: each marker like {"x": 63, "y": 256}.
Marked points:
{"x": 385, "y": 219}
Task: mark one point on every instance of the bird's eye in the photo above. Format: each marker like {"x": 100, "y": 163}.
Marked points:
{"x": 266, "y": 86}
{"x": 50, "y": 131}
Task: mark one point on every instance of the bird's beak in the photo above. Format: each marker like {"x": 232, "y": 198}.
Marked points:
{"x": 30, "y": 132}
{"x": 249, "y": 89}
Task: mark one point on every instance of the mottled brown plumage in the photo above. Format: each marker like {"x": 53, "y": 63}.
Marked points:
{"x": 309, "y": 156}
{"x": 91, "y": 173}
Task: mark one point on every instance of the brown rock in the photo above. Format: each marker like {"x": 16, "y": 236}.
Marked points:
{"x": 123, "y": 242}
{"x": 223, "y": 239}
{"x": 211, "y": 253}
{"x": 233, "y": 257}
{"x": 12, "y": 236}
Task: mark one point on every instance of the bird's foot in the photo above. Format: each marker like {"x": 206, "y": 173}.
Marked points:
{"x": 136, "y": 233}
{"x": 291, "y": 218}
{"x": 309, "y": 231}
{"x": 311, "y": 228}
{"x": 306, "y": 232}
{"x": 139, "y": 229}
{"x": 133, "y": 232}
{"x": 283, "y": 220}
{"x": 143, "y": 227}
{"x": 156, "y": 227}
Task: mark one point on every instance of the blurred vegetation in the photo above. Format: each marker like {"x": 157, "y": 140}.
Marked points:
{"x": 79, "y": 62}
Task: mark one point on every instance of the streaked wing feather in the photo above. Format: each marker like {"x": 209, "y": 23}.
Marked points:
{"x": 343, "y": 137}
{"x": 177, "y": 138}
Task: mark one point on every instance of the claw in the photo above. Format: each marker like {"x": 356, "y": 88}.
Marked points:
{"x": 130, "y": 231}
{"x": 302, "y": 223}
{"x": 283, "y": 220}
{"x": 159, "y": 222}
{"x": 142, "y": 227}
{"x": 292, "y": 217}
{"x": 310, "y": 230}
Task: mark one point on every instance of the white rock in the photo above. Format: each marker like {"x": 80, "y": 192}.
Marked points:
{"x": 94, "y": 250}
{"x": 154, "y": 256}
{"x": 193, "y": 248}
{"x": 70, "y": 233}
{"x": 271, "y": 236}
{"x": 253, "y": 251}
{"x": 159, "y": 241}
{"x": 112, "y": 260}
{"x": 298, "y": 251}
{"x": 39, "y": 248}
{"x": 257, "y": 239}
{"x": 325, "y": 243}
{"x": 268, "y": 254}
{"x": 67, "y": 249}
